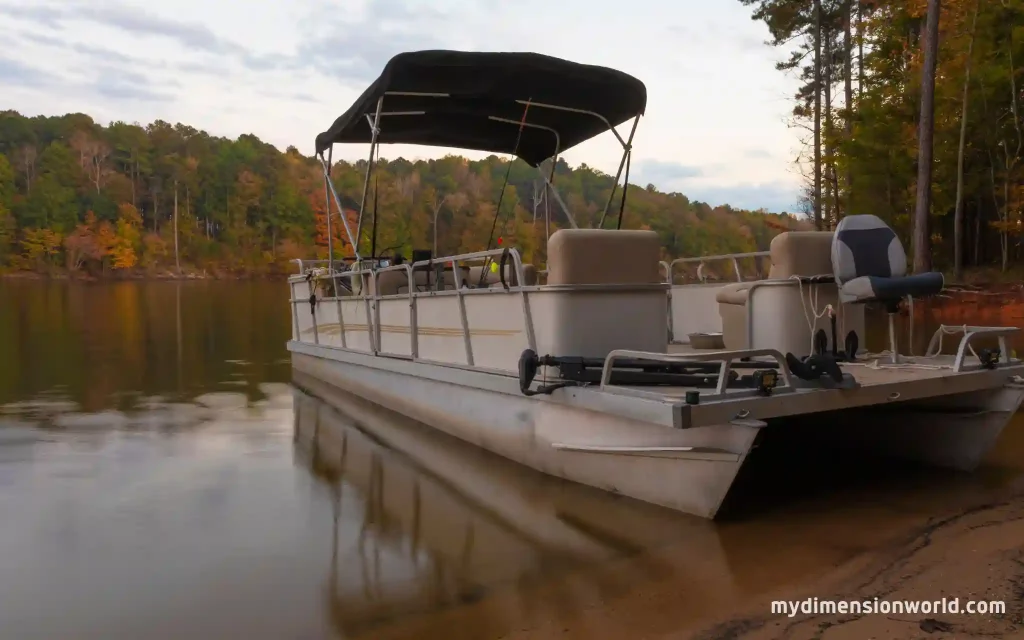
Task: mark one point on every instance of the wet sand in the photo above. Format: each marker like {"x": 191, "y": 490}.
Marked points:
{"x": 977, "y": 554}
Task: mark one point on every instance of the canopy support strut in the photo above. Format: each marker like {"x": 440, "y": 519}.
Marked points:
{"x": 627, "y": 150}
{"x": 327, "y": 197}
{"x": 325, "y": 163}
{"x": 558, "y": 196}
{"x": 375, "y": 130}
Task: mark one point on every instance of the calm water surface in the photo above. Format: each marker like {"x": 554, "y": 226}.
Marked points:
{"x": 162, "y": 476}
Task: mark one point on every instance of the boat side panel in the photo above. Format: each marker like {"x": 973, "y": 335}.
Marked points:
{"x": 694, "y": 310}
{"x": 439, "y": 329}
{"x": 585, "y": 323}
{"x": 498, "y": 329}
{"x": 784, "y": 317}
{"x": 524, "y": 429}
{"x": 395, "y": 321}
{"x": 591, "y": 324}
{"x": 328, "y": 331}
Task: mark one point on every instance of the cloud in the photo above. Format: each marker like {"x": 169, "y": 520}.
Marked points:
{"x": 775, "y": 197}
{"x": 48, "y": 16}
{"x": 14, "y": 73}
{"x": 95, "y": 53}
{"x": 661, "y": 172}
{"x": 713, "y": 35}
{"x": 127, "y": 18}
{"x": 121, "y": 84}
{"x": 193, "y": 37}
{"x": 190, "y": 35}
{"x": 758, "y": 154}
{"x": 693, "y": 182}
{"x": 349, "y": 44}
{"x": 354, "y": 46}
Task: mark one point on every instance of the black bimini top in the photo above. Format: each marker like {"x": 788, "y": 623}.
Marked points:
{"x": 478, "y": 100}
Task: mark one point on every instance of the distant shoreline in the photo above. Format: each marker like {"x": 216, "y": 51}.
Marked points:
{"x": 974, "y": 283}
{"x": 140, "y": 276}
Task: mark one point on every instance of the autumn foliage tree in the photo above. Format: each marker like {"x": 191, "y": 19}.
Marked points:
{"x": 973, "y": 212}
{"x": 127, "y": 197}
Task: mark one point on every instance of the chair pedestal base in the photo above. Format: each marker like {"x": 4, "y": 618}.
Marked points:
{"x": 895, "y": 357}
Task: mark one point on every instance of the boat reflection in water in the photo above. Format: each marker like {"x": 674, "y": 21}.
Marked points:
{"x": 425, "y": 523}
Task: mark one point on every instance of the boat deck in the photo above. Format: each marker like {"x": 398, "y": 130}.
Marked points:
{"x": 874, "y": 368}
{"x": 875, "y": 381}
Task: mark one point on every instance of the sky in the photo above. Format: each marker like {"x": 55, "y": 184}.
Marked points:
{"x": 716, "y": 126}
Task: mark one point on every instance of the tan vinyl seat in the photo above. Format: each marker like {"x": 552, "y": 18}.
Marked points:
{"x": 603, "y": 256}
{"x": 390, "y": 283}
{"x": 491, "y": 278}
{"x": 604, "y": 292}
{"x": 792, "y": 253}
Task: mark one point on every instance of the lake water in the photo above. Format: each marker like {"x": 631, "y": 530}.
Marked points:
{"x": 161, "y": 477}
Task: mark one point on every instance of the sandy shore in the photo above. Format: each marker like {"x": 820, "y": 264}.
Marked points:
{"x": 977, "y": 554}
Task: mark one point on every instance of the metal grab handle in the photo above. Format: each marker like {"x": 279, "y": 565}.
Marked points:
{"x": 725, "y": 357}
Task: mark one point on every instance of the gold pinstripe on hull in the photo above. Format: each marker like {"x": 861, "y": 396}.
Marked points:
{"x": 335, "y": 328}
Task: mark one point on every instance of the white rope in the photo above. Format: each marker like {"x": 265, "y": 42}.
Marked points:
{"x": 929, "y": 353}
{"x": 812, "y": 315}
{"x": 948, "y": 330}
{"x": 876, "y": 363}
{"x": 812, "y": 298}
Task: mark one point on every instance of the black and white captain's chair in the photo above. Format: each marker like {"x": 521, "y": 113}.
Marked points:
{"x": 870, "y": 265}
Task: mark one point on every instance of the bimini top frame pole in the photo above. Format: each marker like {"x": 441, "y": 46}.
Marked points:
{"x": 469, "y": 100}
{"x": 375, "y": 128}
{"x": 329, "y": 184}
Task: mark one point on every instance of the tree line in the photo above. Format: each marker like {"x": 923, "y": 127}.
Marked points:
{"x": 79, "y": 197}
{"x": 912, "y": 111}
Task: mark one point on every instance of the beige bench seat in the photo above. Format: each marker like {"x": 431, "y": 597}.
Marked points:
{"x": 604, "y": 256}
{"x": 792, "y": 253}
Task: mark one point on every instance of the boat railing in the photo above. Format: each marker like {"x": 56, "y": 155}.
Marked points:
{"x": 486, "y": 257}
{"x": 702, "y": 260}
{"x": 970, "y": 333}
{"x": 371, "y": 296}
{"x": 310, "y": 264}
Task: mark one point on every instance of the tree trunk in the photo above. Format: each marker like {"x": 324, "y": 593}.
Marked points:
{"x": 977, "y": 231}
{"x": 1011, "y": 160}
{"x": 848, "y": 77}
{"x": 860, "y": 49}
{"x": 958, "y": 216}
{"x": 817, "y": 115}
{"x": 177, "y": 261}
{"x": 831, "y": 202}
{"x": 1006, "y": 221}
{"x": 926, "y": 127}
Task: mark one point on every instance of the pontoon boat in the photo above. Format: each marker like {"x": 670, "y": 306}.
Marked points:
{"x": 571, "y": 370}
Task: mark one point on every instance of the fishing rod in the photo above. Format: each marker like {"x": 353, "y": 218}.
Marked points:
{"x": 501, "y": 196}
